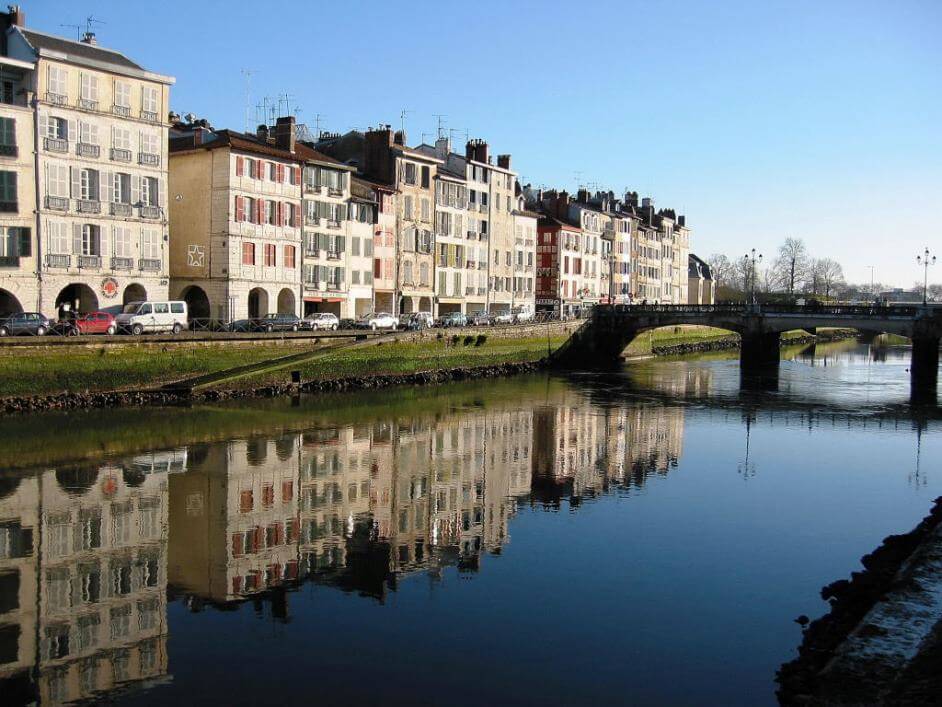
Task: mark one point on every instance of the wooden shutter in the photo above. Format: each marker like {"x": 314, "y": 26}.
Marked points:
{"x": 73, "y": 132}
{"x": 240, "y": 208}
{"x": 296, "y": 174}
{"x": 279, "y": 213}
{"x": 240, "y": 166}
{"x": 135, "y": 189}
{"x": 76, "y": 174}
{"x": 24, "y": 245}
{"x": 341, "y": 244}
{"x": 259, "y": 205}
{"x": 161, "y": 193}
{"x": 106, "y": 181}
{"x": 76, "y": 239}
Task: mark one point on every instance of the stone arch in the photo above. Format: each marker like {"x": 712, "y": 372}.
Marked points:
{"x": 286, "y": 301}
{"x": 9, "y": 304}
{"x": 258, "y": 303}
{"x": 134, "y": 293}
{"x": 197, "y": 302}
{"x": 425, "y": 304}
{"x": 405, "y": 305}
{"x": 80, "y": 297}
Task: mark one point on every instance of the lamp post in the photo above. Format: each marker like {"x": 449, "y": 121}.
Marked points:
{"x": 873, "y": 295}
{"x": 750, "y": 260}
{"x": 926, "y": 259}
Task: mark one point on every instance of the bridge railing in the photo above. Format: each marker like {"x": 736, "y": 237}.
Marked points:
{"x": 838, "y": 310}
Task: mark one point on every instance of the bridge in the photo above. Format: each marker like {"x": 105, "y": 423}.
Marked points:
{"x": 612, "y": 327}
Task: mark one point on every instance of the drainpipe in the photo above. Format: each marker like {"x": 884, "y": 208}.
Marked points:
{"x": 38, "y": 197}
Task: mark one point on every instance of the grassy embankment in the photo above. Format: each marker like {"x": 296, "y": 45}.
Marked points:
{"x": 73, "y": 369}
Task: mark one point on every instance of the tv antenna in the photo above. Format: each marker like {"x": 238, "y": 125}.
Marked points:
{"x": 247, "y": 76}
{"x": 319, "y": 121}
{"x": 78, "y": 31}
{"x": 90, "y": 20}
{"x": 441, "y": 124}
{"x": 402, "y": 120}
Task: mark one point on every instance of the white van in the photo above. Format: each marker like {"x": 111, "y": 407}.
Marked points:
{"x": 138, "y": 317}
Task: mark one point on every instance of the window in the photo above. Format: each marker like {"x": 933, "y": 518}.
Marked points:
{"x": 7, "y": 188}
{"x": 88, "y": 185}
{"x": 57, "y": 180}
{"x": 426, "y": 177}
{"x": 149, "y": 189}
{"x": 355, "y": 245}
{"x": 58, "y": 81}
{"x": 150, "y": 243}
{"x": 57, "y": 128}
{"x": 88, "y": 133}
{"x": 91, "y": 242}
{"x": 272, "y": 172}
{"x": 150, "y": 143}
{"x": 407, "y": 207}
{"x": 122, "y": 242}
{"x": 426, "y": 210}
{"x": 289, "y": 255}
{"x": 409, "y": 173}
{"x": 368, "y": 247}
{"x": 248, "y": 254}
{"x": 423, "y": 275}
{"x": 121, "y": 139}
{"x": 270, "y": 255}
{"x": 122, "y": 94}
{"x": 7, "y": 132}
{"x": 121, "y": 188}
{"x": 271, "y": 212}
{"x": 149, "y": 99}
{"x": 407, "y": 272}
{"x": 58, "y": 237}
{"x": 89, "y": 87}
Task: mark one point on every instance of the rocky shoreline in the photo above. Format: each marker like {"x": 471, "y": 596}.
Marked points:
{"x": 817, "y": 677}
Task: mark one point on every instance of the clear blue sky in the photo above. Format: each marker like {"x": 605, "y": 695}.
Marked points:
{"x": 821, "y": 120}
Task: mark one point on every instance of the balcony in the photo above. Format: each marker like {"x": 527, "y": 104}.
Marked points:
{"x": 333, "y": 224}
{"x": 57, "y": 99}
{"x": 333, "y": 191}
{"x": 482, "y": 208}
{"x": 470, "y": 265}
{"x": 8, "y": 151}
{"x": 469, "y": 290}
{"x": 119, "y": 155}
{"x": 57, "y": 203}
{"x": 9, "y": 207}
{"x": 87, "y": 104}
{"x": 55, "y": 144}
{"x": 58, "y": 261}
{"x": 333, "y": 285}
{"x": 482, "y": 290}
{"x": 123, "y": 111}
{"x": 149, "y": 115}
{"x": 312, "y": 253}
{"x": 482, "y": 266}
{"x": 312, "y": 188}
{"x": 148, "y": 159}
{"x": 87, "y": 206}
{"x": 312, "y": 220}
{"x": 83, "y": 149}
{"x": 122, "y": 263}
{"x": 333, "y": 255}
{"x": 472, "y": 235}
{"x": 119, "y": 209}
{"x": 9, "y": 261}
{"x": 89, "y": 262}
{"x": 150, "y": 211}
{"x": 149, "y": 264}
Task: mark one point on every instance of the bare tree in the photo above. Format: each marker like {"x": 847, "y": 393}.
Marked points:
{"x": 831, "y": 275}
{"x": 722, "y": 269}
{"x": 935, "y": 292}
{"x": 791, "y": 264}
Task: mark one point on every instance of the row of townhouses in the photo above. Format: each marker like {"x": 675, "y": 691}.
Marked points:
{"x": 106, "y": 197}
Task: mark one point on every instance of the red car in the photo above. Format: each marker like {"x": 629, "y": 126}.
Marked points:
{"x": 96, "y": 323}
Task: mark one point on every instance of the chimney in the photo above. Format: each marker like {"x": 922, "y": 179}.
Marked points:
{"x": 377, "y": 160}
{"x": 262, "y": 133}
{"x": 284, "y": 133}
{"x": 503, "y": 161}
{"x": 647, "y": 202}
{"x": 400, "y": 138}
{"x": 89, "y": 38}
{"x": 562, "y": 205}
{"x": 682, "y": 221}
{"x": 582, "y": 196}
{"x": 476, "y": 150}
{"x": 16, "y": 16}
{"x": 443, "y": 147}
{"x": 647, "y": 205}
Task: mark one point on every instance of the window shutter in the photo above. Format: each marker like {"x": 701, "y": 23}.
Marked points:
{"x": 135, "y": 189}
{"x": 240, "y": 209}
{"x": 341, "y": 244}
{"x": 297, "y": 174}
{"x": 76, "y": 182}
{"x": 24, "y": 246}
{"x": 323, "y": 241}
{"x": 72, "y": 131}
{"x": 106, "y": 179}
{"x": 77, "y": 238}
{"x": 279, "y": 213}
{"x": 43, "y": 125}
{"x": 240, "y": 166}
{"x": 259, "y": 205}
{"x": 161, "y": 193}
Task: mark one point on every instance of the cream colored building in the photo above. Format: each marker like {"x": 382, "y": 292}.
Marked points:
{"x": 360, "y": 231}
{"x": 236, "y": 220}
{"x": 101, "y": 173}
{"x": 383, "y": 199}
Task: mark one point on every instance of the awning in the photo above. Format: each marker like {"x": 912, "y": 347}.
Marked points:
{"x": 323, "y": 299}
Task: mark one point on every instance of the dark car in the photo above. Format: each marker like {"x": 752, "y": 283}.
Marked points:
{"x": 32, "y": 323}
{"x": 453, "y": 319}
{"x": 242, "y": 325}
{"x": 418, "y": 321}
{"x": 278, "y": 322}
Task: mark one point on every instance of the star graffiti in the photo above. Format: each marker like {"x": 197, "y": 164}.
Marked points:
{"x": 194, "y": 256}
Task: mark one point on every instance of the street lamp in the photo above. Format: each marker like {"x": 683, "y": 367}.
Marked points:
{"x": 750, "y": 260}
{"x": 926, "y": 259}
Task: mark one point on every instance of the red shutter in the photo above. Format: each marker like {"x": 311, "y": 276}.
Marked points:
{"x": 279, "y": 213}
{"x": 240, "y": 207}
{"x": 240, "y": 166}
{"x": 296, "y": 171}
{"x": 259, "y": 204}
{"x": 281, "y": 173}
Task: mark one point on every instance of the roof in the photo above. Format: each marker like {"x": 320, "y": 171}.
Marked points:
{"x": 236, "y": 141}
{"x": 311, "y": 155}
{"x": 373, "y": 183}
{"x": 82, "y": 52}
{"x": 525, "y": 212}
{"x": 553, "y": 221}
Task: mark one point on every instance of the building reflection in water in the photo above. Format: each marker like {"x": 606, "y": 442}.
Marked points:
{"x": 90, "y": 554}
{"x": 83, "y": 579}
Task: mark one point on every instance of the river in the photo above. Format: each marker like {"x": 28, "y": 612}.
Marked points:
{"x": 644, "y": 536}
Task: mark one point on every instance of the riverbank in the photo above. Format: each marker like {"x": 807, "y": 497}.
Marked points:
{"x": 882, "y": 639}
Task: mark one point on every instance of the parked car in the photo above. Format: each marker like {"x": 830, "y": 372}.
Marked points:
{"x": 504, "y": 317}
{"x": 95, "y": 323}
{"x": 522, "y": 314}
{"x": 453, "y": 319}
{"x": 278, "y": 322}
{"x": 419, "y": 320}
{"x": 321, "y": 320}
{"x": 242, "y": 325}
{"x": 154, "y": 316}
{"x": 377, "y": 320}
{"x": 32, "y": 323}
{"x": 347, "y": 323}
{"x": 480, "y": 318}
